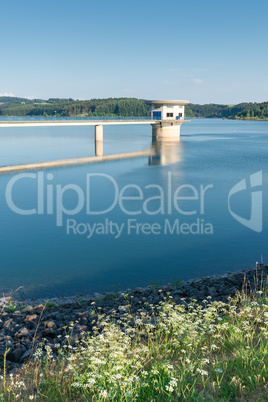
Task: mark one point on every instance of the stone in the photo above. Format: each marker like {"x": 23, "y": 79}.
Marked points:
{"x": 49, "y": 333}
{"x": 31, "y": 317}
{"x": 27, "y": 309}
{"x": 18, "y": 313}
{"x": 50, "y": 324}
{"x": 25, "y": 356}
{"x": 21, "y": 333}
{"x": 7, "y": 323}
{"x": 15, "y": 355}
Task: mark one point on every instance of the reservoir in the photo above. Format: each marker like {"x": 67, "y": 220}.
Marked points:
{"x": 193, "y": 208}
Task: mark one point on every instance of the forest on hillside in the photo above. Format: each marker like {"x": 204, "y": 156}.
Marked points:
{"x": 71, "y": 107}
{"x": 127, "y": 107}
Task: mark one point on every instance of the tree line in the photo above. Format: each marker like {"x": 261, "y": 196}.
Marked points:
{"x": 64, "y": 107}
{"x": 70, "y": 107}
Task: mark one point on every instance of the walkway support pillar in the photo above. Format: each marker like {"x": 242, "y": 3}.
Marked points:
{"x": 99, "y": 140}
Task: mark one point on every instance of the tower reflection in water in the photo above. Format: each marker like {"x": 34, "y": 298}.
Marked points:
{"x": 165, "y": 152}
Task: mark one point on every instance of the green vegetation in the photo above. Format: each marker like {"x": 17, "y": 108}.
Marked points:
{"x": 213, "y": 110}
{"x": 10, "y": 307}
{"x": 254, "y": 111}
{"x": 50, "y": 305}
{"x": 214, "y": 352}
{"x": 70, "y": 107}
{"x": 178, "y": 283}
{"x": 257, "y": 111}
{"x": 11, "y": 106}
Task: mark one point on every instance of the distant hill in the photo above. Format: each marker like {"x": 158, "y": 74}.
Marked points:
{"x": 257, "y": 111}
{"x": 214, "y": 110}
{"x": 69, "y": 107}
{"x": 13, "y": 106}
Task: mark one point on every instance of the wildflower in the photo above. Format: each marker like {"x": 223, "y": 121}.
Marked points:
{"x": 169, "y": 388}
{"x": 202, "y": 372}
{"x": 169, "y": 366}
{"x": 214, "y": 347}
{"x": 218, "y": 370}
{"x": 31, "y": 397}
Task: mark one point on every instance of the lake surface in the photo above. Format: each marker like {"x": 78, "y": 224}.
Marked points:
{"x": 49, "y": 254}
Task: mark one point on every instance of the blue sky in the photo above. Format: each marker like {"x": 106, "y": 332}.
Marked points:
{"x": 204, "y": 51}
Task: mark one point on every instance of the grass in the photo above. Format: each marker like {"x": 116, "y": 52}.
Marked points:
{"x": 11, "y": 308}
{"x": 178, "y": 283}
{"x": 214, "y": 352}
{"x": 50, "y": 305}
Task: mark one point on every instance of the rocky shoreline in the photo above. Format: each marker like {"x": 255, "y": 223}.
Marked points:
{"x": 24, "y": 324}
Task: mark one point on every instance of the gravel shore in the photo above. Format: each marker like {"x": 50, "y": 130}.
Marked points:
{"x": 36, "y": 320}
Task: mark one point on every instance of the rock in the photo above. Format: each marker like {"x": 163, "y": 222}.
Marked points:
{"x": 7, "y": 323}
{"x": 31, "y": 317}
{"x": 17, "y": 313}
{"x": 27, "y": 309}
{"x": 50, "y": 324}
{"x": 9, "y": 343}
{"x": 25, "y": 356}
{"x": 15, "y": 355}
{"x": 49, "y": 333}
{"x": 21, "y": 333}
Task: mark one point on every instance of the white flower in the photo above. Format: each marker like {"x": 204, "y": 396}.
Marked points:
{"x": 202, "y": 372}
{"x": 214, "y": 347}
{"x": 218, "y": 370}
{"x": 169, "y": 388}
{"x": 170, "y": 366}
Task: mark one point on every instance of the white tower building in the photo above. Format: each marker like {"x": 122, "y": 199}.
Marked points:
{"x": 168, "y": 117}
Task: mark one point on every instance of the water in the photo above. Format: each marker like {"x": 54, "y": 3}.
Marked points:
{"x": 40, "y": 256}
